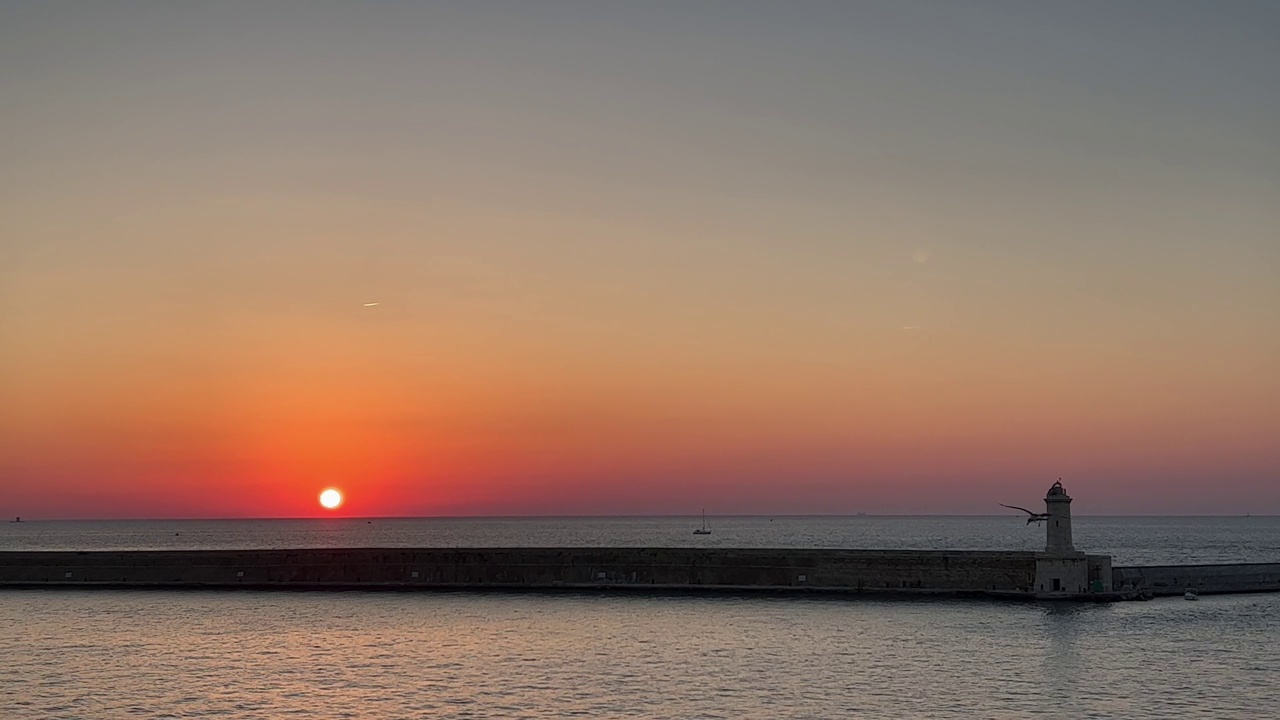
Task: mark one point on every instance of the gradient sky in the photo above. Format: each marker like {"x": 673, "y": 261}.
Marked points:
{"x": 632, "y": 258}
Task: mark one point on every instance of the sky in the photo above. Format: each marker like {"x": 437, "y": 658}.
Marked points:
{"x": 566, "y": 258}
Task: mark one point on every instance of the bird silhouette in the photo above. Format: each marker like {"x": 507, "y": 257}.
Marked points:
{"x": 1032, "y": 517}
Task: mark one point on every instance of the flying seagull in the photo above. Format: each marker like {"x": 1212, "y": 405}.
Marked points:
{"x": 1032, "y": 517}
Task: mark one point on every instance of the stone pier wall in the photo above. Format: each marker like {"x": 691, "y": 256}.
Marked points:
{"x": 1205, "y": 579}
{"x": 871, "y": 571}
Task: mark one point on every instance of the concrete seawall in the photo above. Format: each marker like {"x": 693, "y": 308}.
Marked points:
{"x": 1205, "y": 579}
{"x": 1024, "y": 575}
{"x": 1003, "y": 574}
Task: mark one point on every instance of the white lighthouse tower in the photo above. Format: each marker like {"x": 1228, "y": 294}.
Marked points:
{"x": 1058, "y": 521}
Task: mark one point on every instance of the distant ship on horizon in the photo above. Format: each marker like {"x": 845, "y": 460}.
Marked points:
{"x": 704, "y": 530}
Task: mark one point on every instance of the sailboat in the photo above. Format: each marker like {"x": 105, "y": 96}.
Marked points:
{"x": 704, "y": 530}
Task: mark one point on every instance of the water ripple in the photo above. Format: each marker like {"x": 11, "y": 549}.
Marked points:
{"x": 111, "y": 655}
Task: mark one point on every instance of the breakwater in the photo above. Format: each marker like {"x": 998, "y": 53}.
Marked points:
{"x": 788, "y": 570}
{"x": 1023, "y": 575}
{"x": 1204, "y": 579}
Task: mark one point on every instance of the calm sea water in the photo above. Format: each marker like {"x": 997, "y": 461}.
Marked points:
{"x": 112, "y": 654}
{"x": 1132, "y": 541}
{"x": 134, "y": 654}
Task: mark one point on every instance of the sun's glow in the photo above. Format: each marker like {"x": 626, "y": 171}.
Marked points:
{"x": 331, "y": 498}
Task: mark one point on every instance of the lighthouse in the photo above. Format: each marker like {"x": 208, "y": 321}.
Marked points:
{"x": 1061, "y": 570}
{"x": 1057, "y": 505}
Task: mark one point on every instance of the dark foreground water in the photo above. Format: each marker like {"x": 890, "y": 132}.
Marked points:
{"x": 137, "y": 654}
{"x": 1131, "y": 541}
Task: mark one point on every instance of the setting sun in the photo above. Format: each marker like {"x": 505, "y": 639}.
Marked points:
{"x": 331, "y": 498}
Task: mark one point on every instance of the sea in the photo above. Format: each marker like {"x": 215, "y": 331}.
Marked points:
{"x": 115, "y": 654}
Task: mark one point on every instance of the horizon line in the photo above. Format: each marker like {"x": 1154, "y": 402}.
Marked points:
{"x": 24, "y": 519}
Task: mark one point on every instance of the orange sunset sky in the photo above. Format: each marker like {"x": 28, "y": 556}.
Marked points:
{"x": 885, "y": 257}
